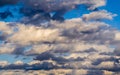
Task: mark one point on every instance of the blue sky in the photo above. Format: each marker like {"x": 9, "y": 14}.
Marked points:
{"x": 112, "y": 6}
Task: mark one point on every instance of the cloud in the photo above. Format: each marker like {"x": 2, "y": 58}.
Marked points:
{"x": 45, "y": 65}
{"x": 32, "y": 34}
{"x": 71, "y": 36}
{"x": 117, "y": 36}
{"x": 59, "y": 71}
{"x": 5, "y": 28}
{"x": 6, "y": 48}
{"x": 117, "y": 50}
{"x": 66, "y": 48}
{"x": 63, "y": 4}
{"x": 36, "y": 12}
{"x": 98, "y": 15}
{"x": 8, "y": 2}
{"x": 3, "y": 63}
{"x": 18, "y": 63}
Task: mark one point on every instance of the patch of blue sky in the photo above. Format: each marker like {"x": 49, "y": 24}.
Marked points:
{"x": 113, "y": 6}
{"x": 76, "y": 13}
{"x": 1, "y": 41}
{"x": 12, "y": 58}
{"x": 15, "y": 12}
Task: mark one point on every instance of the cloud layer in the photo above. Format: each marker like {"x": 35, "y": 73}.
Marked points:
{"x": 73, "y": 44}
{"x": 85, "y": 45}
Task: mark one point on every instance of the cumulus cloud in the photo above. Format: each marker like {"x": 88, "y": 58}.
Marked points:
{"x": 98, "y": 15}
{"x": 3, "y": 63}
{"x": 32, "y": 34}
{"x": 5, "y": 28}
{"x": 117, "y": 36}
{"x": 6, "y": 49}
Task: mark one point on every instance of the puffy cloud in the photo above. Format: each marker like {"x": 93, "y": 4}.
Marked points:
{"x": 94, "y": 4}
{"x": 117, "y": 36}
{"x": 59, "y": 71}
{"x": 98, "y": 15}
{"x": 34, "y": 65}
{"x": 32, "y": 34}
{"x": 6, "y": 49}
{"x": 34, "y": 62}
{"x": 106, "y": 65}
{"x": 18, "y": 63}
{"x": 5, "y": 28}
{"x": 3, "y": 64}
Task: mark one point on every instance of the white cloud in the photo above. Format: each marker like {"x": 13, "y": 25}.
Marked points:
{"x": 18, "y": 62}
{"x": 106, "y": 65}
{"x": 34, "y": 62}
{"x": 117, "y": 36}
{"x": 32, "y": 34}
{"x": 4, "y": 27}
{"x": 98, "y": 15}
{"x": 3, "y": 63}
{"x": 7, "y": 48}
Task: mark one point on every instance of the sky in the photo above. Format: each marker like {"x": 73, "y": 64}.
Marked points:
{"x": 113, "y": 6}
{"x": 60, "y": 35}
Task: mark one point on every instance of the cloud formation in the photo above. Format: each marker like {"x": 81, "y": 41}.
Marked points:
{"x": 49, "y": 5}
{"x": 80, "y": 42}
{"x": 85, "y": 45}
{"x": 39, "y": 12}
{"x": 99, "y": 15}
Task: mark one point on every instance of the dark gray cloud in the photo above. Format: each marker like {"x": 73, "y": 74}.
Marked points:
{"x": 8, "y": 2}
{"x": 33, "y": 8}
{"x": 35, "y": 11}
{"x": 2, "y": 37}
{"x": 117, "y": 51}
